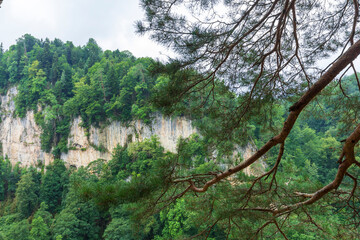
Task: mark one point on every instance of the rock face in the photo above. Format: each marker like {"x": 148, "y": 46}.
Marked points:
{"x": 20, "y": 138}
{"x": 86, "y": 149}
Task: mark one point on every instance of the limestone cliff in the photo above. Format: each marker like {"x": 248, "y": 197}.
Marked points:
{"x": 20, "y": 137}
{"x": 85, "y": 149}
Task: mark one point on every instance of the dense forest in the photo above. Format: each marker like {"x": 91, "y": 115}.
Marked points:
{"x": 138, "y": 195}
{"x": 66, "y": 81}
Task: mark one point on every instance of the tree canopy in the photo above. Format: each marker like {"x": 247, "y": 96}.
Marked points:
{"x": 266, "y": 53}
{"x": 66, "y": 81}
{"x": 247, "y": 74}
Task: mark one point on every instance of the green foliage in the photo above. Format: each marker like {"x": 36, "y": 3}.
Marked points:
{"x": 44, "y": 214}
{"x": 31, "y": 90}
{"x": 66, "y": 226}
{"x": 175, "y": 222}
{"x": 53, "y": 186}
{"x": 7, "y": 180}
{"x": 17, "y": 230}
{"x": 119, "y": 161}
{"x": 25, "y": 196}
{"x": 135, "y": 195}
{"x": 64, "y": 82}
{"x": 118, "y": 229}
{"x": 39, "y": 229}
{"x": 114, "y": 200}
{"x": 78, "y": 219}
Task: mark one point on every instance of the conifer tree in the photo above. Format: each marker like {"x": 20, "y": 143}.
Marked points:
{"x": 26, "y": 198}
{"x": 265, "y": 52}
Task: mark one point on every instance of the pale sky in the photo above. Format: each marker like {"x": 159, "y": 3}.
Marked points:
{"x": 109, "y": 22}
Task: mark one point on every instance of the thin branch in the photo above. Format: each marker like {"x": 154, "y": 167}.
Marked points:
{"x": 348, "y": 150}
{"x": 312, "y": 220}
{"x": 354, "y": 187}
{"x": 295, "y": 111}
{"x": 282, "y": 233}
{"x": 356, "y": 16}
{"x": 357, "y": 163}
{"x": 356, "y": 75}
{"x": 261, "y": 228}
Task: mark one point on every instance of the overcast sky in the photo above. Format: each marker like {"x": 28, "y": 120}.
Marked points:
{"x": 109, "y": 22}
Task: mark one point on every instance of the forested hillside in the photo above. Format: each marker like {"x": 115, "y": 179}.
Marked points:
{"x": 139, "y": 193}
{"x": 65, "y": 81}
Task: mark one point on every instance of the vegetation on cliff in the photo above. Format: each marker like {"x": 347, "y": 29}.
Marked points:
{"x": 65, "y": 81}
{"x": 138, "y": 195}
{"x": 250, "y": 75}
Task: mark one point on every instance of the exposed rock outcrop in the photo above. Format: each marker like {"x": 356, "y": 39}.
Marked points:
{"x": 86, "y": 149}
{"x": 20, "y": 137}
